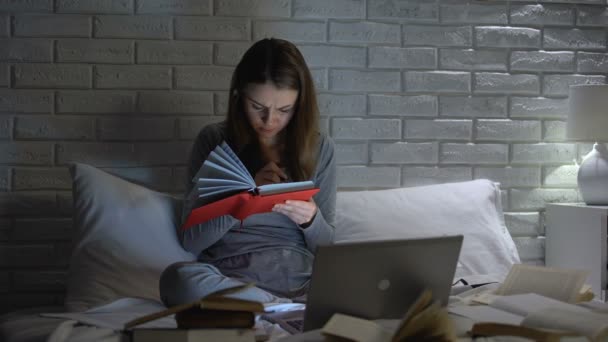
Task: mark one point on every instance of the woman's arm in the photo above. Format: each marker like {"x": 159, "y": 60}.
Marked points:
{"x": 199, "y": 237}
{"x": 321, "y": 230}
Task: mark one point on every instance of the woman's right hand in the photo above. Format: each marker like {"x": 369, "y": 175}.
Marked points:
{"x": 271, "y": 173}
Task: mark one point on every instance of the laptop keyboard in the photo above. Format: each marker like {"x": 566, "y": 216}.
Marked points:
{"x": 292, "y": 321}
{"x": 297, "y": 324}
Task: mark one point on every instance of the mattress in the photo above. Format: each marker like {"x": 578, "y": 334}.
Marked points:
{"x": 102, "y": 323}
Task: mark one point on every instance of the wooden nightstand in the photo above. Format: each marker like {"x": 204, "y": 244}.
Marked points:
{"x": 576, "y": 237}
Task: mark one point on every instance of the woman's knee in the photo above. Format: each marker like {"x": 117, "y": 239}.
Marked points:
{"x": 169, "y": 281}
{"x": 177, "y": 282}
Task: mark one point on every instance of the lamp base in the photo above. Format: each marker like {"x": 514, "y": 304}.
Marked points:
{"x": 593, "y": 176}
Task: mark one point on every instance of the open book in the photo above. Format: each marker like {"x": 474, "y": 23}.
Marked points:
{"x": 225, "y": 186}
{"x": 566, "y": 285}
{"x": 538, "y": 303}
{"x": 534, "y": 316}
{"x": 425, "y": 320}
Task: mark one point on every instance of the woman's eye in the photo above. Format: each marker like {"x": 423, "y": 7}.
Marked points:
{"x": 286, "y": 111}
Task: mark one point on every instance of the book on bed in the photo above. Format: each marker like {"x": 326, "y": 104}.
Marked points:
{"x": 534, "y": 316}
{"x": 537, "y": 303}
{"x": 225, "y": 187}
{"x": 425, "y": 320}
{"x": 213, "y": 311}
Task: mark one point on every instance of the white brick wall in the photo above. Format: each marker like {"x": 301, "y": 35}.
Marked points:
{"x": 414, "y": 92}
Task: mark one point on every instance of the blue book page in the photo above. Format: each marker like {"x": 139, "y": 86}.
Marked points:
{"x": 233, "y": 157}
{"x": 215, "y": 182}
{"x": 279, "y": 188}
{"x": 223, "y": 159}
{"x": 210, "y": 195}
{"x": 221, "y": 175}
{"x": 213, "y": 170}
{"x": 226, "y": 152}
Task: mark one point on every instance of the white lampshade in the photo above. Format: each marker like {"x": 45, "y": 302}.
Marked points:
{"x": 588, "y": 116}
{"x": 588, "y": 121}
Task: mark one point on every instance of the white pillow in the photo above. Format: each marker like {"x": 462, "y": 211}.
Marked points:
{"x": 471, "y": 208}
{"x": 124, "y": 238}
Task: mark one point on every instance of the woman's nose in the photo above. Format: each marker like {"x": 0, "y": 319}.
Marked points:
{"x": 270, "y": 116}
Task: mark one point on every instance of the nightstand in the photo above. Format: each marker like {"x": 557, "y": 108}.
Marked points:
{"x": 576, "y": 237}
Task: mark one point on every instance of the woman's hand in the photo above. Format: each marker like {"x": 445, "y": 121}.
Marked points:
{"x": 271, "y": 173}
{"x": 300, "y": 212}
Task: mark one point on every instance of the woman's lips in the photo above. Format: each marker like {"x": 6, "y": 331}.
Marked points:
{"x": 265, "y": 130}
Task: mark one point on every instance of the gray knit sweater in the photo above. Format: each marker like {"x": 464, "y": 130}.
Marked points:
{"x": 268, "y": 249}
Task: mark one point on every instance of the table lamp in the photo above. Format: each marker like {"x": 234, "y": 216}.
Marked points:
{"x": 588, "y": 122}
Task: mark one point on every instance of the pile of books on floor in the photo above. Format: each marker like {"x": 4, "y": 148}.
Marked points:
{"x": 216, "y": 317}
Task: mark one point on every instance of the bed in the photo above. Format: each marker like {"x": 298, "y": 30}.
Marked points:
{"x": 120, "y": 227}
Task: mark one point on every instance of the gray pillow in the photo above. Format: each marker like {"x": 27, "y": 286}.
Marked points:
{"x": 125, "y": 236}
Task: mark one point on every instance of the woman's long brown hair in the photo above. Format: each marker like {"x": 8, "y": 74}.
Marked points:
{"x": 281, "y": 63}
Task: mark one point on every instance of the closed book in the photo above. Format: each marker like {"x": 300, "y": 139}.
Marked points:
{"x": 192, "y": 335}
{"x": 218, "y": 302}
{"x": 213, "y": 311}
{"x": 208, "y": 318}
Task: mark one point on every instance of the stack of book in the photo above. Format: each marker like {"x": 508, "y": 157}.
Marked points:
{"x": 212, "y": 318}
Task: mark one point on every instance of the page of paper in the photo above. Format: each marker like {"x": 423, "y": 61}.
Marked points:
{"x": 593, "y": 325}
{"x": 213, "y": 170}
{"x": 524, "y": 304}
{"x": 229, "y": 153}
{"x": 355, "y": 329}
{"x": 212, "y": 194}
{"x": 116, "y": 314}
{"x": 597, "y": 306}
{"x": 484, "y": 298}
{"x": 224, "y": 156}
{"x": 279, "y": 188}
{"x": 209, "y": 194}
{"x": 560, "y": 284}
{"x": 223, "y": 163}
{"x": 483, "y": 313}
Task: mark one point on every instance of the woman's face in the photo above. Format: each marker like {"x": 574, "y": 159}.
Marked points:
{"x": 269, "y": 109}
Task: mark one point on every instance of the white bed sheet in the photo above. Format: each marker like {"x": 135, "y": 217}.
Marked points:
{"x": 104, "y": 323}
{"x": 27, "y": 325}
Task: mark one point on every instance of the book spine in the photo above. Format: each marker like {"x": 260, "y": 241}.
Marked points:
{"x": 214, "y": 319}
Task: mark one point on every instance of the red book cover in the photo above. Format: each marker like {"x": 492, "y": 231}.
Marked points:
{"x": 243, "y": 204}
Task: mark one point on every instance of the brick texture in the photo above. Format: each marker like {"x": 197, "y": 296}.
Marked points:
{"x": 95, "y": 6}
{"x": 105, "y": 51}
{"x": 164, "y": 7}
{"x": 413, "y": 92}
{"x": 56, "y": 25}
{"x": 5, "y": 27}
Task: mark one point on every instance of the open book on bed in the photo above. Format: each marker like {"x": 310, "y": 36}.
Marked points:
{"x": 536, "y": 317}
{"x": 537, "y": 303}
{"x": 225, "y": 186}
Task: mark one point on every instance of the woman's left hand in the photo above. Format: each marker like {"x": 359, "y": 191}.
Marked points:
{"x": 300, "y": 212}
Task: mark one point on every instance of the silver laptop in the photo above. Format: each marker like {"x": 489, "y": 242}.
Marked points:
{"x": 379, "y": 279}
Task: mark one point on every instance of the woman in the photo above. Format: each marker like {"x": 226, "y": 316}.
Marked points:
{"x": 272, "y": 125}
